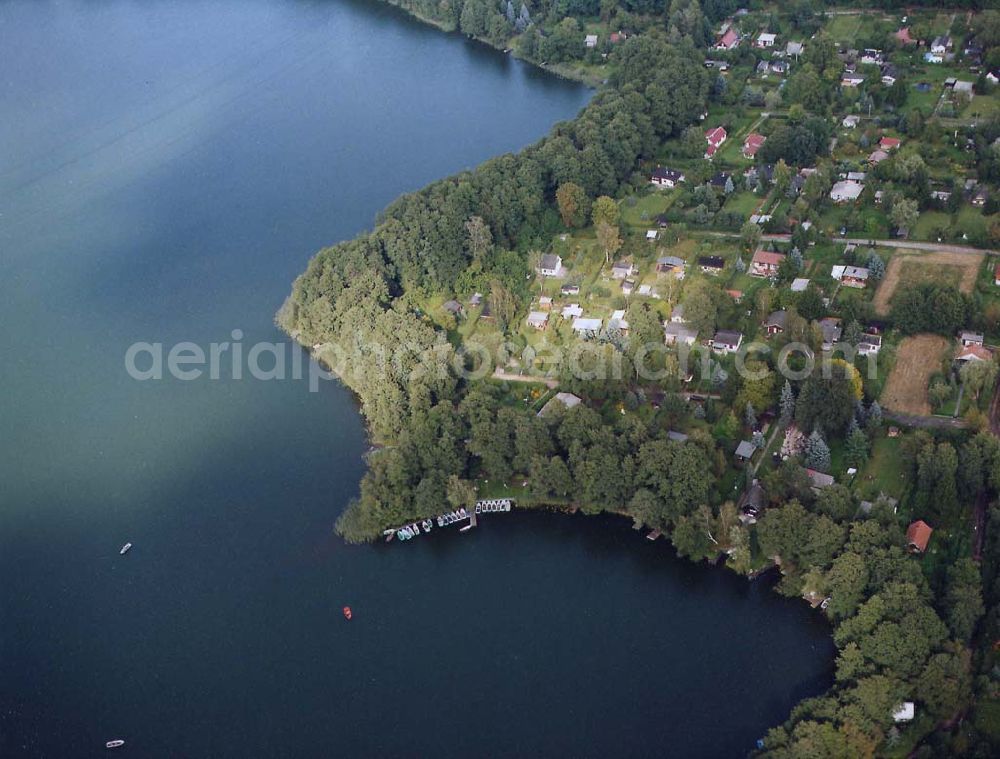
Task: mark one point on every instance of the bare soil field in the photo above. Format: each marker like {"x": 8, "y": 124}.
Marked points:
{"x": 917, "y": 358}
{"x": 910, "y": 268}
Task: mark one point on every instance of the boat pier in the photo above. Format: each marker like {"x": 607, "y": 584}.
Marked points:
{"x": 410, "y": 531}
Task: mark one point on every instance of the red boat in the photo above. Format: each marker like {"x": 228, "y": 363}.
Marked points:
{"x": 347, "y": 612}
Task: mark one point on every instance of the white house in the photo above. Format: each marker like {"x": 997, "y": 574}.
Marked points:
{"x": 550, "y": 266}
{"x": 850, "y": 122}
{"x": 538, "y": 319}
{"x": 623, "y": 269}
{"x": 843, "y": 192}
{"x": 617, "y": 321}
{"x": 793, "y": 49}
{"x": 582, "y": 325}
{"x": 766, "y": 39}
{"x": 854, "y": 276}
{"x": 727, "y": 341}
{"x": 905, "y": 712}
{"x": 869, "y": 345}
{"x": 590, "y": 40}
{"x": 679, "y": 333}
{"x": 572, "y": 311}
{"x": 941, "y": 45}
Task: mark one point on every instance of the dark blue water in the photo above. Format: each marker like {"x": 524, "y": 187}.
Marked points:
{"x": 166, "y": 169}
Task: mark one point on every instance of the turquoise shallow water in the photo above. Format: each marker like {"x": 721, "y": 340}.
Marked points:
{"x": 166, "y": 169}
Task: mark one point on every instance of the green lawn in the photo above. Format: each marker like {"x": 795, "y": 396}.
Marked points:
{"x": 884, "y": 471}
{"x": 743, "y": 203}
{"x": 845, "y": 28}
{"x": 643, "y": 212}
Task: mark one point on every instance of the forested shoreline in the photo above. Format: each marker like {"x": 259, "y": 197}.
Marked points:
{"x": 902, "y": 634}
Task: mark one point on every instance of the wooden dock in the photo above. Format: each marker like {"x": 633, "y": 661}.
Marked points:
{"x": 654, "y": 535}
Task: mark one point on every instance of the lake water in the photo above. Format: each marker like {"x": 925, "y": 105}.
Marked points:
{"x": 166, "y": 169}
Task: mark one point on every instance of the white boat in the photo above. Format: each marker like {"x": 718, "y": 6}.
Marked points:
{"x": 125, "y": 549}
{"x": 118, "y": 742}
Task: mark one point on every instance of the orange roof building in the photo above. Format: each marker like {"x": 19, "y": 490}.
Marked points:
{"x": 917, "y": 536}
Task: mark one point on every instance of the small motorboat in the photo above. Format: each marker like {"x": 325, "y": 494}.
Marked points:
{"x": 125, "y": 549}
{"x": 347, "y": 612}
{"x": 117, "y": 743}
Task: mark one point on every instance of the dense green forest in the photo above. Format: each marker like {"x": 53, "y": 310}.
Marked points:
{"x": 358, "y": 294}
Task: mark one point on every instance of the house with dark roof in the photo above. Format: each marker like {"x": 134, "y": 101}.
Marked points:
{"x": 550, "y": 265}
{"x": 712, "y": 264}
{"x": 776, "y": 322}
{"x": 666, "y": 264}
{"x": 675, "y": 333}
{"x": 727, "y": 341}
{"x": 664, "y": 177}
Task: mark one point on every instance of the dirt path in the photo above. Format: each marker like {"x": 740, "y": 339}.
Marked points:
{"x": 509, "y": 377}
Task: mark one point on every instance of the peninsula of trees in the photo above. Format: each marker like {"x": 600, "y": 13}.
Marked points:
{"x": 773, "y": 176}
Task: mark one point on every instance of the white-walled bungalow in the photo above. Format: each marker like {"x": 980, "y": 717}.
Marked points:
{"x": 572, "y": 311}
{"x": 765, "y": 263}
{"x": 855, "y": 276}
{"x": 538, "y": 319}
{"x": 846, "y": 191}
{"x": 678, "y": 333}
{"x": 765, "y": 40}
{"x": 587, "y": 326}
{"x": 664, "y": 177}
{"x": 727, "y": 341}
{"x": 617, "y": 321}
{"x": 550, "y": 265}
{"x": 869, "y": 345}
{"x": 623, "y": 269}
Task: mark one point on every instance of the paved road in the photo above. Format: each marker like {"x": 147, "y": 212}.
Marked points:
{"x": 938, "y": 247}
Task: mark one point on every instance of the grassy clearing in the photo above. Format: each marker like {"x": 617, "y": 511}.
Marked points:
{"x": 908, "y": 269}
{"x": 917, "y": 359}
{"x": 643, "y": 211}
{"x": 884, "y": 471}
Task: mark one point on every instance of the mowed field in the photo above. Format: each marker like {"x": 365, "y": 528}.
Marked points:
{"x": 917, "y": 358}
{"x": 910, "y": 268}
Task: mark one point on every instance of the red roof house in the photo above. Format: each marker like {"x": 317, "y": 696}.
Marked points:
{"x": 715, "y": 138}
{"x": 889, "y": 143}
{"x": 752, "y": 144}
{"x": 765, "y": 263}
{"x": 996, "y": 276}
{"x": 917, "y": 536}
{"x": 728, "y": 41}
